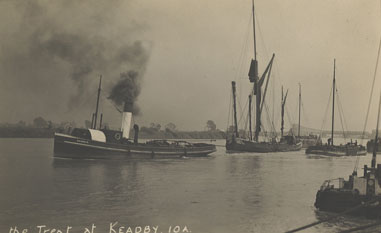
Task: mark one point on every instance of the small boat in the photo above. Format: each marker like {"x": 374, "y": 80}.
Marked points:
{"x": 234, "y": 142}
{"x": 310, "y": 140}
{"x": 307, "y": 140}
{"x": 357, "y": 195}
{"x": 329, "y": 149}
{"x": 98, "y": 143}
{"x": 370, "y": 145}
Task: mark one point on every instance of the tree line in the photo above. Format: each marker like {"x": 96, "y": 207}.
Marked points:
{"x": 42, "y": 128}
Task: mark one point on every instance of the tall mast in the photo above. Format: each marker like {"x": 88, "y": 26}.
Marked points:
{"x": 257, "y": 87}
{"x": 235, "y": 109}
{"x": 282, "y": 111}
{"x": 257, "y": 110}
{"x": 250, "y": 132}
{"x": 258, "y": 82}
{"x": 255, "y": 44}
{"x": 300, "y": 100}
{"x": 333, "y": 99}
{"x": 282, "y": 114}
{"x": 96, "y": 109}
{"x": 375, "y": 145}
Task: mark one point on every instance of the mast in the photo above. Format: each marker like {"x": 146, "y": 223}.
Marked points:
{"x": 375, "y": 145}
{"x": 255, "y": 44}
{"x": 250, "y": 132}
{"x": 257, "y": 88}
{"x": 282, "y": 111}
{"x": 258, "y": 82}
{"x": 235, "y": 109}
{"x": 257, "y": 110}
{"x": 100, "y": 121}
{"x": 282, "y": 114}
{"x": 96, "y": 109}
{"x": 300, "y": 100}
{"x": 333, "y": 100}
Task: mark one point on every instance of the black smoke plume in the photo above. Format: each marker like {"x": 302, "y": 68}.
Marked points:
{"x": 52, "y": 53}
{"x": 126, "y": 91}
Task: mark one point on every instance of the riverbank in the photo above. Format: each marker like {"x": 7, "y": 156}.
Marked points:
{"x": 32, "y": 132}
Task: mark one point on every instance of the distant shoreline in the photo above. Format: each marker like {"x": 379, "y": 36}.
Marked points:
{"x": 34, "y": 132}
{"x": 31, "y": 132}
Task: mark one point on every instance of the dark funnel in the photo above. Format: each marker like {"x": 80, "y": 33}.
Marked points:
{"x": 128, "y": 106}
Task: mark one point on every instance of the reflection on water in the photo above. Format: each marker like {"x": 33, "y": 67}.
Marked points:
{"x": 235, "y": 192}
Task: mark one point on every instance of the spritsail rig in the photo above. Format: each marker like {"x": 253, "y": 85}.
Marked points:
{"x": 236, "y": 142}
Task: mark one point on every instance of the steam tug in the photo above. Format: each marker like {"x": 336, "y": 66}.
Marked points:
{"x": 358, "y": 195}
{"x": 103, "y": 143}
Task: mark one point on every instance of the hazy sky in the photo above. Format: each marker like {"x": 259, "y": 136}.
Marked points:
{"x": 195, "y": 49}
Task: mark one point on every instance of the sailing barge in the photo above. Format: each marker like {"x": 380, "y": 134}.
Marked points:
{"x": 98, "y": 143}
{"x": 358, "y": 195}
{"x": 329, "y": 149}
{"x": 236, "y": 143}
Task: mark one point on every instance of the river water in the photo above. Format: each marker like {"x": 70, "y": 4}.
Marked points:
{"x": 238, "y": 192}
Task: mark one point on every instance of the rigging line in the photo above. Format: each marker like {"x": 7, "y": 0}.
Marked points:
{"x": 245, "y": 127}
{"x": 116, "y": 107}
{"x": 326, "y": 111}
{"x": 277, "y": 76}
{"x": 269, "y": 120}
{"x": 363, "y": 227}
{"x": 341, "y": 113}
{"x": 371, "y": 92}
{"x": 341, "y": 109}
{"x": 290, "y": 120}
{"x": 334, "y": 216}
{"x": 261, "y": 35}
{"x": 242, "y": 57}
{"x": 370, "y": 101}
{"x": 243, "y": 49}
{"x": 240, "y": 107}
{"x": 230, "y": 105}
{"x": 243, "y": 111}
{"x": 341, "y": 122}
{"x": 88, "y": 100}
{"x": 246, "y": 119}
{"x": 305, "y": 117}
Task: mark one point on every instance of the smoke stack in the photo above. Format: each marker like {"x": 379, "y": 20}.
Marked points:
{"x": 126, "y": 119}
{"x": 136, "y": 128}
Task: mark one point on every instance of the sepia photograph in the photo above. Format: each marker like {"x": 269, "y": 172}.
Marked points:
{"x": 190, "y": 116}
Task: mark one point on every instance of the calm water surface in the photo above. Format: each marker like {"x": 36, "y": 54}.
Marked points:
{"x": 239, "y": 192}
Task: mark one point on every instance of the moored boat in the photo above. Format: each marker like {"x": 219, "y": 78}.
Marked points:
{"x": 236, "y": 142}
{"x": 370, "y": 144}
{"x": 329, "y": 149}
{"x": 288, "y": 143}
{"x": 357, "y": 195}
{"x": 98, "y": 143}
{"x": 349, "y": 149}
{"x": 310, "y": 140}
